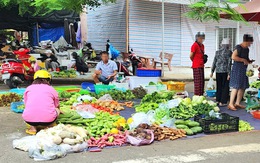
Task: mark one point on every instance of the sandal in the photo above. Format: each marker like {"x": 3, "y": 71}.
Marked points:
{"x": 233, "y": 108}
{"x": 222, "y": 105}
{"x": 30, "y": 132}
{"x": 240, "y": 106}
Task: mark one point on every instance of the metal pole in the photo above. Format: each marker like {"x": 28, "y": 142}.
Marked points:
{"x": 127, "y": 26}
{"x": 37, "y": 33}
{"x": 162, "y": 38}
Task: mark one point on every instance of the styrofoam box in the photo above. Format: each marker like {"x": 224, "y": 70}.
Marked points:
{"x": 135, "y": 81}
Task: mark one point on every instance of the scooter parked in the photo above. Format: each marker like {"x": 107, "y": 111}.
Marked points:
{"x": 14, "y": 71}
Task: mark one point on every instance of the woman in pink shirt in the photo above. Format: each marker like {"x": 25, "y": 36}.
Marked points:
{"x": 41, "y": 102}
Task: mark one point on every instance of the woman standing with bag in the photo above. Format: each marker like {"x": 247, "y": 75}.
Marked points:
{"x": 238, "y": 79}
{"x": 222, "y": 65}
{"x": 198, "y": 59}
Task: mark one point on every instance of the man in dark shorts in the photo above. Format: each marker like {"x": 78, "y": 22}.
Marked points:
{"x": 106, "y": 70}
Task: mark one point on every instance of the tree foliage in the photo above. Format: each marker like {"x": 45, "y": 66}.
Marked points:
{"x": 41, "y": 7}
{"x": 210, "y": 10}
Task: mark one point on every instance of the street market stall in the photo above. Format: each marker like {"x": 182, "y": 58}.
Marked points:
{"x": 112, "y": 117}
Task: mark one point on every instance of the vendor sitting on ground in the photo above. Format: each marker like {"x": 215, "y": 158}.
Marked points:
{"x": 45, "y": 111}
{"x": 80, "y": 65}
{"x": 51, "y": 62}
{"x": 106, "y": 70}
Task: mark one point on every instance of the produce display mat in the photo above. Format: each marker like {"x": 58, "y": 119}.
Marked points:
{"x": 241, "y": 113}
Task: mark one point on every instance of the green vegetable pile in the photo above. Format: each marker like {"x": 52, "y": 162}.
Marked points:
{"x": 245, "y": 126}
{"x": 117, "y": 94}
{"x": 191, "y": 127}
{"x": 145, "y": 107}
{"x": 65, "y": 74}
{"x": 202, "y": 105}
{"x": 97, "y": 127}
{"x": 64, "y": 94}
{"x": 158, "y": 97}
{"x": 184, "y": 110}
{"x": 139, "y": 92}
{"x": 255, "y": 84}
{"x": 71, "y": 100}
{"x": 161, "y": 114}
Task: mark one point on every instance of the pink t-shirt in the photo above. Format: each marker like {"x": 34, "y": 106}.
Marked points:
{"x": 40, "y": 102}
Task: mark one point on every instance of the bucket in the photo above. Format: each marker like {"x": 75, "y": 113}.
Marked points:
{"x": 88, "y": 86}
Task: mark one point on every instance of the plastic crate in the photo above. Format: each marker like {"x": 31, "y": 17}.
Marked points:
{"x": 211, "y": 93}
{"x": 88, "y": 86}
{"x": 161, "y": 87}
{"x": 149, "y": 72}
{"x": 19, "y": 91}
{"x": 227, "y": 123}
{"x": 176, "y": 86}
{"x": 15, "y": 105}
{"x": 101, "y": 88}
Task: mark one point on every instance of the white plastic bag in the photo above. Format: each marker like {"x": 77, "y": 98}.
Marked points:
{"x": 250, "y": 70}
{"x": 25, "y": 143}
{"x": 47, "y": 152}
{"x": 139, "y": 118}
{"x": 106, "y": 97}
{"x": 211, "y": 84}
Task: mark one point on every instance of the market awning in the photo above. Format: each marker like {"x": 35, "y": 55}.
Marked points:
{"x": 10, "y": 18}
{"x": 250, "y": 11}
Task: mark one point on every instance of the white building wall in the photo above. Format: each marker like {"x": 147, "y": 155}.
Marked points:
{"x": 191, "y": 27}
{"x": 108, "y": 22}
{"x": 145, "y": 29}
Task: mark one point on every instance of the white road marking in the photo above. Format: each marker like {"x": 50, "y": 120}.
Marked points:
{"x": 200, "y": 155}
{"x": 233, "y": 149}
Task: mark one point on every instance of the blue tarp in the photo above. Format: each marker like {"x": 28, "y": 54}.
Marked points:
{"x": 48, "y": 33}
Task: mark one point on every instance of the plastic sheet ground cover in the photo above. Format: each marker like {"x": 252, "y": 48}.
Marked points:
{"x": 242, "y": 114}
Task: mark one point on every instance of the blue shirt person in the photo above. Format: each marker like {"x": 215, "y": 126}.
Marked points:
{"x": 106, "y": 70}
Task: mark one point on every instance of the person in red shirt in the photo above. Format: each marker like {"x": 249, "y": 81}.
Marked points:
{"x": 197, "y": 58}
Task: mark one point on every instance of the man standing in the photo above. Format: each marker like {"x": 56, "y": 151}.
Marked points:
{"x": 197, "y": 58}
{"x": 106, "y": 70}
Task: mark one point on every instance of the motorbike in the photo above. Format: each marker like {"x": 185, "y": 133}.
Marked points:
{"x": 14, "y": 71}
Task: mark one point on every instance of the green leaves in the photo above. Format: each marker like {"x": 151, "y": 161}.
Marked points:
{"x": 210, "y": 10}
{"x": 42, "y": 7}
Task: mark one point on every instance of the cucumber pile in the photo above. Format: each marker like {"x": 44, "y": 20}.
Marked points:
{"x": 191, "y": 127}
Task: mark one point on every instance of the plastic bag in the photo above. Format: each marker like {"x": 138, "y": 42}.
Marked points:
{"x": 25, "y": 143}
{"x": 211, "y": 84}
{"x": 138, "y": 141}
{"x": 74, "y": 148}
{"x": 168, "y": 122}
{"x": 250, "y": 70}
{"x": 47, "y": 152}
{"x": 139, "y": 118}
{"x": 84, "y": 98}
{"x": 173, "y": 103}
{"x": 106, "y": 97}
{"x": 86, "y": 111}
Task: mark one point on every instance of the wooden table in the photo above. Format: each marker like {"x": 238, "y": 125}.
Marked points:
{"x": 147, "y": 59}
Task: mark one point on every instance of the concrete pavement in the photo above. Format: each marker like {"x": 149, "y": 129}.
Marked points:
{"x": 226, "y": 148}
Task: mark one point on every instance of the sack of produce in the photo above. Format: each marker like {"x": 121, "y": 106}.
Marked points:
{"x": 250, "y": 70}
{"x": 25, "y": 143}
{"x": 140, "y": 137}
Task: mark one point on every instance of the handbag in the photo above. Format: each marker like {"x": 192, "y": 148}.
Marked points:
{"x": 205, "y": 56}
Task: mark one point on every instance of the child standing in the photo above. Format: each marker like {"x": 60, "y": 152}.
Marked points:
{"x": 41, "y": 103}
